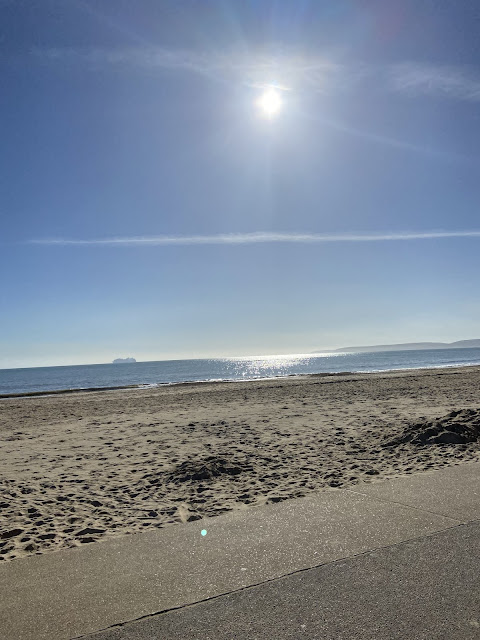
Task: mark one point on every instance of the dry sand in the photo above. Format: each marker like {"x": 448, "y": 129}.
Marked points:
{"x": 78, "y": 468}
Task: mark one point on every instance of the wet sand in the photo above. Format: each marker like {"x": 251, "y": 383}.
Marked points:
{"x": 78, "y": 468}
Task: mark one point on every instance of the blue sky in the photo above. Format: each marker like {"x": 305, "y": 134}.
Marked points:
{"x": 148, "y": 208}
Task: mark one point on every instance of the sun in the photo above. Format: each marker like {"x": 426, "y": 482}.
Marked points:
{"x": 270, "y": 103}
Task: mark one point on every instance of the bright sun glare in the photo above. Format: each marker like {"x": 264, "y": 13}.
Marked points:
{"x": 270, "y": 103}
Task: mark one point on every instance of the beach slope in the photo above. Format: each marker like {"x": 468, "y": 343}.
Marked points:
{"x": 80, "y": 468}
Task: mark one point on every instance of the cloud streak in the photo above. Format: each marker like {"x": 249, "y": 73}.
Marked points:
{"x": 451, "y": 82}
{"x": 317, "y": 73}
{"x": 253, "y": 70}
{"x": 255, "y": 238}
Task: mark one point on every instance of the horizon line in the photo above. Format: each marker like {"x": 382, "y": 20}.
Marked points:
{"x": 255, "y": 238}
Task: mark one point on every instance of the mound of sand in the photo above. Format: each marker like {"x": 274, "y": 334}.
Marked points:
{"x": 210, "y": 467}
{"x": 457, "y": 427}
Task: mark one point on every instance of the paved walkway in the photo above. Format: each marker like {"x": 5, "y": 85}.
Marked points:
{"x": 423, "y": 589}
{"x": 266, "y": 571}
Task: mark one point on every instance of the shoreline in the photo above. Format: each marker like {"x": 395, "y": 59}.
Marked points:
{"x": 145, "y": 386}
{"x": 78, "y": 468}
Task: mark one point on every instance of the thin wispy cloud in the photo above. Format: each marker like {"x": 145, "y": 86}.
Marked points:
{"x": 256, "y": 238}
{"x": 251, "y": 69}
{"x": 301, "y": 74}
{"x": 317, "y": 73}
{"x": 451, "y": 82}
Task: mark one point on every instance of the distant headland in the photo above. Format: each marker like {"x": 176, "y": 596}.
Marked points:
{"x": 123, "y": 360}
{"x": 407, "y": 346}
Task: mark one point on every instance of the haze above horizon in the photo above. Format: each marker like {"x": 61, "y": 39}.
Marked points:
{"x": 188, "y": 179}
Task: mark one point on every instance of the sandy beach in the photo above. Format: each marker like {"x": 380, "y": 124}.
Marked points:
{"x": 78, "y": 468}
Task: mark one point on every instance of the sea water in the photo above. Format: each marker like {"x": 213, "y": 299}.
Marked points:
{"x": 241, "y": 368}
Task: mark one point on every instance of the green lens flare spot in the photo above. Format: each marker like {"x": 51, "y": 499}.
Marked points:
{"x": 203, "y": 532}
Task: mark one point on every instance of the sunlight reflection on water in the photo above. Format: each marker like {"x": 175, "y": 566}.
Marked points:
{"x": 265, "y": 366}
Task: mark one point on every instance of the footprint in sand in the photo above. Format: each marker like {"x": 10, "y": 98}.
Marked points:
{"x": 185, "y": 514}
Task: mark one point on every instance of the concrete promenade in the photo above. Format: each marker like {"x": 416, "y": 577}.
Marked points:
{"x": 392, "y": 559}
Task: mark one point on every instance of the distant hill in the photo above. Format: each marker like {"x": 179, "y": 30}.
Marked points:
{"x": 408, "y": 346}
{"x": 123, "y": 360}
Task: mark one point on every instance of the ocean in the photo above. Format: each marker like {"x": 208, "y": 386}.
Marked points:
{"x": 146, "y": 374}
